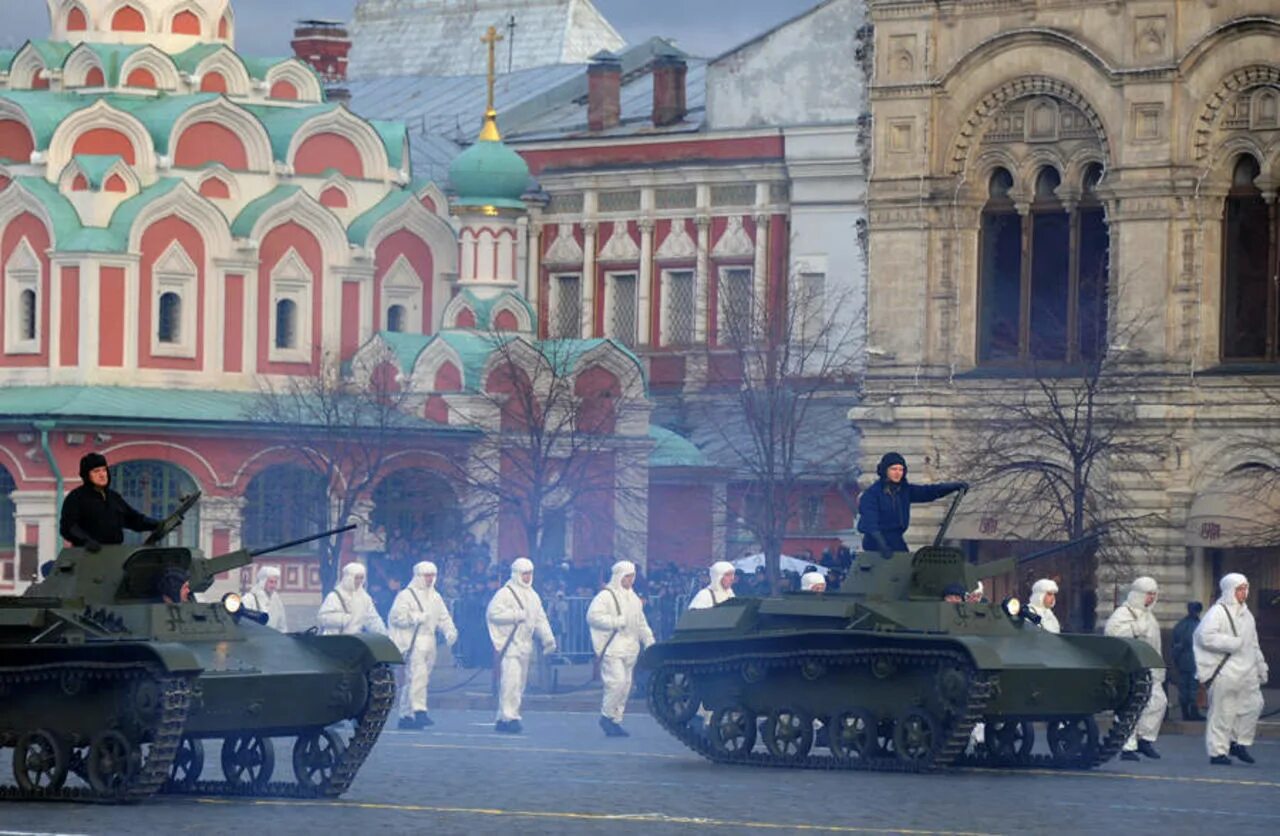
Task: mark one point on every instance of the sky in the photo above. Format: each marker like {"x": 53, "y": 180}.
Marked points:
{"x": 700, "y": 27}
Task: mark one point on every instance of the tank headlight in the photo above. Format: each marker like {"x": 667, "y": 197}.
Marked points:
{"x": 1012, "y": 607}
{"x": 232, "y": 603}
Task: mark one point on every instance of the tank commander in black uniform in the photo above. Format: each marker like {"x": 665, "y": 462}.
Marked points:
{"x": 93, "y": 515}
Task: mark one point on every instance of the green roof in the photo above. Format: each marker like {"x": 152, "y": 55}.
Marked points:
{"x": 96, "y": 167}
{"x": 358, "y": 232}
{"x": 473, "y": 350}
{"x": 6, "y": 58}
{"x": 159, "y": 113}
{"x": 112, "y": 58}
{"x": 45, "y": 110}
{"x": 249, "y": 215}
{"x": 66, "y": 220}
{"x": 483, "y": 307}
{"x": 673, "y": 450}
{"x": 567, "y": 353}
{"x": 52, "y": 53}
{"x": 489, "y": 173}
{"x": 283, "y": 122}
{"x": 126, "y": 213}
{"x": 258, "y": 67}
{"x": 146, "y": 405}
{"x": 392, "y": 135}
{"x": 406, "y": 347}
{"x": 189, "y": 59}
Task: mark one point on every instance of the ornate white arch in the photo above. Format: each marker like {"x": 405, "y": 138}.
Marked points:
{"x": 120, "y": 169}
{"x": 524, "y": 320}
{"x": 257, "y": 144}
{"x": 617, "y": 362}
{"x": 521, "y": 353}
{"x": 109, "y": 13}
{"x": 102, "y": 115}
{"x": 220, "y": 172}
{"x": 160, "y": 65}
{"x": 195, "y": 456}
{"x": 1237, "y": 81}
{"x": 1219, "y": 458}
{"x": 10, "y": 110}
{"x": 431, "y": 360}
{"x": 286, "y": 460}
{"x": 207, "y": 28}
{"x": 79, "y": 62}
{"x": 436, "y": 194}
{"x": 15, "y": 200}
{"x": 339, "y": 181}
{"x": 226, "y": 63}
{"x": 186, "y": 203}
{"x": 455, "y": 306}
{"x": 59, "y": 10}
{"x": 429, "y": 227}
{"x": 340, "y": 121}
{"x": 317, "y": 219}
{"x": 23, "y": 67}
{"x": 370, "y": 356}
{"x": 300, "y": 76}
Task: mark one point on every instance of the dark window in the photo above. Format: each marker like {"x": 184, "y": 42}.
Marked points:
{"x": 1248, "y": 259}
{"x": 1043, "y": 272}
{"x": 8, "y": 523}
{"x": 622, "y": 325}
{"x": 680, "y": 307}
{"x": 568, "y": 307}
{"x": 155, "y": 488}
{"x": 286, "y": 324}
{"x": 284, "y": 503}
{"x": 417, "y": 511}
{"x": 395, "y": 318}
{"x": 169, "y": 321}
{"x": 736, "y": 294}
{"x": 27, "y": 325}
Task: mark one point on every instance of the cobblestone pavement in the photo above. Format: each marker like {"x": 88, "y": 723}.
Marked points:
{"x": 563, "y": 776}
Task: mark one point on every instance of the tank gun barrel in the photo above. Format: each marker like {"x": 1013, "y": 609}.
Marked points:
{"x": 204, "y": 571}
{"x": 1008, "y": 564}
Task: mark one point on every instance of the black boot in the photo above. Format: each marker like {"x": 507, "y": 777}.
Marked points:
{"x": 1129, "y": 756}
{"x": 423, "y": 719}
{"x": 407, "y": 723}
{"x": 1220, "y": 760}
{"x": 1240, "y": 753}
{"x": 1146, "y": 748}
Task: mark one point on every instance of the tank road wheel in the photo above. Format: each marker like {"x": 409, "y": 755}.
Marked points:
{"x": 40, "y": 761}
{"x": 248, "y": 759}
{"x": 675, "y": 698}
{"x": 916, "y": 736}
{"x": 788, "y": 734}
{"x": 1009, "y": 741}
{"x": 315, "y": 754}
{"x": 188, "y": 763}
{"x": 852, "y": 736}
{"x": 113, "y": 762}
{"x": 1073, "y": 740}
{"x": 732, "y": 731}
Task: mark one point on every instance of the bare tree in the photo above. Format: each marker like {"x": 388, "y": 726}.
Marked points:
{"x": 548, "y": 444}
{"x": 1059, "y": 448}
{"x": 343, "y": 429}
{"x": 794, "y": 355}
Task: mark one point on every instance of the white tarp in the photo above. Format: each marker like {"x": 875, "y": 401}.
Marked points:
{"x": 752, "y": 562}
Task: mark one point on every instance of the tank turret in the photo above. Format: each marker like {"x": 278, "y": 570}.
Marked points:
{"x": 108, "y": 691}
{"x": 885, "y": 674}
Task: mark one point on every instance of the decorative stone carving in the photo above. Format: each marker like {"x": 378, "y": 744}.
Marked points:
{"x": 678, "y": 245}
{"x": 565, "y": 249}
{"x": 1150, "y": 36}
{"x": 902, "y": 55}
{"x": 735, "y": 242}
{"x": 620, "y": 246}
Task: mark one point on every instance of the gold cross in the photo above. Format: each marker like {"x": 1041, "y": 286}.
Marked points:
{"x": 491, "y": 38}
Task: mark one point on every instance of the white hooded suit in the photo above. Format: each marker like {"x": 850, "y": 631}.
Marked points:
{"x": 260, "y": 600}
{"x": 515, "y": 616}
{"x": 619, "y": 631}
{"x": 417, "y": 614}
{"x": 1226, "y": 643}
{"x": 1134, "y": 620}
{"x": 713, "y": 593}
{"x": 348, "y": 609}
{"x": 1041, "y": 588}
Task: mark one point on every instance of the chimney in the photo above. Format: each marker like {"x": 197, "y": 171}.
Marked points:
{"x": 604, "y": 89}
{"x": 669, "y": 71}
{"x": 324, "y": 45}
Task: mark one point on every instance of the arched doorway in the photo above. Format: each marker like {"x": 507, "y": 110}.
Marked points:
{"x": 8, "y": 528}
{"x": 282, "y": 503}
{"x": 417, "y": 510}
{"x": 155, "y": 488}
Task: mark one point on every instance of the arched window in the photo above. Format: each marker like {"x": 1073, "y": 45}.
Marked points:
{"x": 224, "y": 27}
{"x": 286, "y": 324}
{"x": 283, "y": 503}
{"x": 215, "y": 187}
{"x": 1042, "y": 271}
{"x": 334, "y": 198}
{"x": 16, "y": 142}
{"x": 27, "y": 315}
{"x": 185, "y": 23}
{"x": 213, "y": 82}
{"x": 128, "y": 19}
{"x": 416, "y": 508}
{"x": 395, "y": 318}
{"x": 169, "y": 318}
{"x": 284, "y": 90}
{"x": 115, "y": 183}
{"x": 141, "y": 77}
{"x": 1249, "y": 238}
{"x": 76, "y": 21}
{"x": 95, "y": 78}
{"x": 155, "y": 488}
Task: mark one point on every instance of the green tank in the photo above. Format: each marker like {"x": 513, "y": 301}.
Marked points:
{"x": 102, "y": 680}
{"x": 885, "y": 675}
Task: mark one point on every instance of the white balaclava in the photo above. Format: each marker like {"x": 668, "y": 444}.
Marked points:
{"x": 718, "y": 570}
{"x": 811, "y": 579}
{"x": 1138, "y": 592}
{"x": 265, "y": 573}
{"x": 1039, "y": 589}
{"x": 422, "y": 572}
{"x": 518, "y": 567}
{"x": 1228, "y": 586}
{"x": 620, "y": 570}
{"x": 349, "y": 574}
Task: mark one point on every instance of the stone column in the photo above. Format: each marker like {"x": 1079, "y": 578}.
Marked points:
{"x": 533, "y": 264}
{"x": 702, "y": 286}
{"x": 760, "y": 269}
{"x": 587, "y": 289}
{"x": 644, "y": 318}
{"x": 631, "y": 505}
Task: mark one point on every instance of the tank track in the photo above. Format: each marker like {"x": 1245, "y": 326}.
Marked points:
{"x": 1126, "y": 718}
{"x": 162, "y": 736}
{"x": 956, "y": 727}
{"x": 382, "y": 694}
